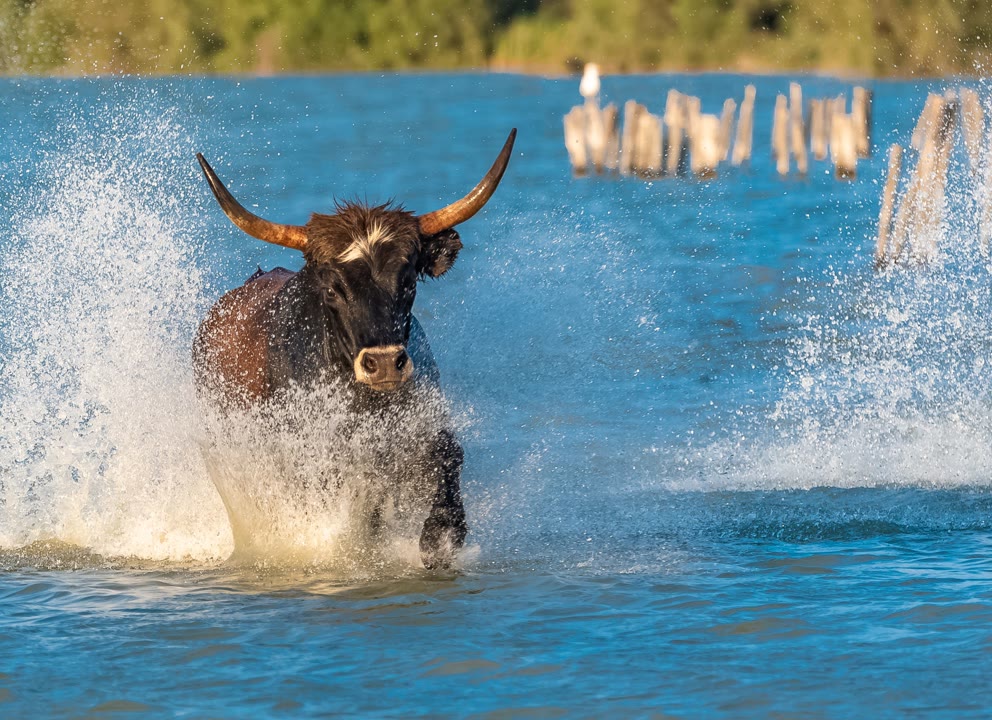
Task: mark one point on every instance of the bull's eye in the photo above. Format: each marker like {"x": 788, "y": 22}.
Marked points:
{"x": 335, "y": 290}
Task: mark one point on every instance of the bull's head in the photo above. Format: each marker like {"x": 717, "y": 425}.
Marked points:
{"x": 366, "y": 261}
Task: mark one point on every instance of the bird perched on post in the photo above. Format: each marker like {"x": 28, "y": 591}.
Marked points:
{"x": 589, "y": 85}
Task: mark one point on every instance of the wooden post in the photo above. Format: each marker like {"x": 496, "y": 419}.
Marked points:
{"x": 648, "y": 145}
{"x": 693, "y": 110}
{"x": 595, "y": 135}
{"x": 985, "y": 224}
{"x": 610, "y": 117}
{"x": 818, "y": 137}
{"x": 675, "y": 120}
{"x": 657, "y": 166}
{"x": 628, "y": 146}
{"x": 836, "y": 106}
{"x": 575, "y": 140}
{"x": 927, "y": 120}
{"x": 797, "y": 136}
{"x": 860, "y": 117}
{"x": 843, "y": 146}
{"x": 869, "y": 118}
{"x": 745, "y": 124}
{"x": 882, "y": 256}
{"x": 706, "y": 146}
{"x": 726, "y": 128}
{"x": 973, "y": 124}
{"x": 922, "y": 141}
{"x": 919, "y": 211}
{"x": 937, "y": 195}
{"x": 780, "y": 135}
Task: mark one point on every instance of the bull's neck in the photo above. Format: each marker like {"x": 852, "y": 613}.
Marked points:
{"x": 303, "y": 346}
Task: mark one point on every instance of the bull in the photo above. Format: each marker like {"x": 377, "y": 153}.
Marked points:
{"x": 345, "y": 317}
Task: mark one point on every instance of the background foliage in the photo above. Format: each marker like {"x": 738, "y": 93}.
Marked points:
{"x": 261, "y": 36}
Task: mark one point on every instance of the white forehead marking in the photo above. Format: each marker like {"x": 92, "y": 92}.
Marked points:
{"x": 362, "y": 246}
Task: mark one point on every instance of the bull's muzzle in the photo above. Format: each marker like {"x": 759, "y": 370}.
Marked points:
{"x": 385, "y": 367}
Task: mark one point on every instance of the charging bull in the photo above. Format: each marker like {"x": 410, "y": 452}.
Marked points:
{"x": 345, "y": 317}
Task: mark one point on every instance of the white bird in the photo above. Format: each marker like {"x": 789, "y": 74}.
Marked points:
{"x": 589, "y": 85}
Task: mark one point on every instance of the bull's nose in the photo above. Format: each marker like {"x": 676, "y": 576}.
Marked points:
{"x": 384, "y": 367}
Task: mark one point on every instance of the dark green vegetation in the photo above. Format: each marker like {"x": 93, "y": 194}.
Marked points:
{"x": 880, "y": 37}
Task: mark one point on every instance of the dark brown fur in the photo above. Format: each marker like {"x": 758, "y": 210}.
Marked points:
{"x": 230, "y": 354}
{"x": 328, "y": 236}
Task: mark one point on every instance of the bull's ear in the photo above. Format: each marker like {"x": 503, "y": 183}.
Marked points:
{"x": 438, "y": 253}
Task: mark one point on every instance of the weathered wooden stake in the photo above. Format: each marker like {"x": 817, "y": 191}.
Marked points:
{"x": 835, "y": 107}
{"x": 726, "y": 128}
{"x": 937, "y": 188}
{"x": 575, "y": 140}
{"x": 648, "y": 145}
{"x": 780, "y": 135}
{"x": 973, "y": 124}
{"x": 675, "y": 120}
{"x": 843, "y": 146}
{"x": 882, "y": 256}
{"x": 927, "y": 120}
{"x": 920, "y": 210}
{"x": 595, "y": 135}
{"x": 861, "y": 120}
{"x": 628, "y": 146}
{"x": 985, "y": 226}
{"x": 797, "y": 136}
{"x": 818, "y": 133}
{"x": 869, "y": 117}
{"x": 745, "y": 124}
{"x": 610, "y": 124}
{"x": 693, "y": 110}
{"x": 707, "y": 147}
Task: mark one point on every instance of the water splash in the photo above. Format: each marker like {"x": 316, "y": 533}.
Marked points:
{"x": 885, "y": 385}
{"x": 100, "y": 296}
{"x": 306, "y": 481}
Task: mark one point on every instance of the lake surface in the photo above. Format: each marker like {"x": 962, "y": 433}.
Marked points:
{"x": 716, "y": 465}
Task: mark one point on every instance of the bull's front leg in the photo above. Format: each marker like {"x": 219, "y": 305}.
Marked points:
{"x": 445, "y": 528}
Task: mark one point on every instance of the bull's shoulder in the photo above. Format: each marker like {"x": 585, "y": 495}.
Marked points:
{"x": 244, "y": 307}
{"x": 276, "y": 277}
{"x": 231, "y": 346}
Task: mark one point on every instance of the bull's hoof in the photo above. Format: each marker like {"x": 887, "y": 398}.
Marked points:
{"x": 439, "y": 542}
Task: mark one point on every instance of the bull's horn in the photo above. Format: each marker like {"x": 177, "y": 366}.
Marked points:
{"x": 291, "y": 236}
{"x": 461, "y": 210}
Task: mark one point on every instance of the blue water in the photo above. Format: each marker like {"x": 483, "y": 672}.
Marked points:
{"x": 716, "y": 466}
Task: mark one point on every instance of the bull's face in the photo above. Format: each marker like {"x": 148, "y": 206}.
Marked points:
{"x": 365, "y": 263}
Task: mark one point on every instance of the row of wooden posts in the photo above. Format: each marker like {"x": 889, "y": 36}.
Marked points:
{"x": 828, "y": 127}
{"x": 910, "y": 222}
{"x": 652, "y": 146}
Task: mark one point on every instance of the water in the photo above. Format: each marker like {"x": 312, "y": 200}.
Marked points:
{"x": 716, "y": 466}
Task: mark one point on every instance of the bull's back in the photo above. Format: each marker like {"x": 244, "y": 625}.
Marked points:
{"x": 230, "y": 353}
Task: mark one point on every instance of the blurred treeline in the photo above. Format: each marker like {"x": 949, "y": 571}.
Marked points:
{"x": 260, "y": 36}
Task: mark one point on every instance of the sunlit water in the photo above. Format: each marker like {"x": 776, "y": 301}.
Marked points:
{"x": 715, "y": 464}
